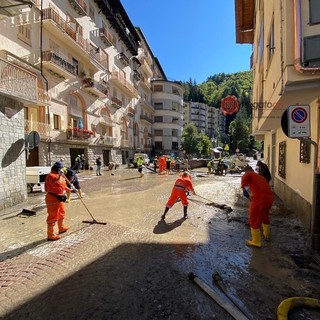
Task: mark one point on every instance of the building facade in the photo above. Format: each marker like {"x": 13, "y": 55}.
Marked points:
{"x": 167, "y": 99}
{"x": 204, "y": 117}
{"x": 286, "y": 64}
{"x": 78, "y": 74}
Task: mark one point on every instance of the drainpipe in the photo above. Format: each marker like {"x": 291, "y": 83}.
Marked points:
{"x": 41, "y": 71}
{"x": 298, "y": 39}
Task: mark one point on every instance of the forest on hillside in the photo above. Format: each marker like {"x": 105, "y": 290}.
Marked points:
{"x": 213, "y": 90}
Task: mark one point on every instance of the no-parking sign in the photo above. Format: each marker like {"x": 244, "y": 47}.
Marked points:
{"x": 299, "y": 121}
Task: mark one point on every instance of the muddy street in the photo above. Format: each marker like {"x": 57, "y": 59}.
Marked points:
{"x": 137, "y": 265}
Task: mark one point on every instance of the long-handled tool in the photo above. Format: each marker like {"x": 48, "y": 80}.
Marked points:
{"x": 93, "y": 221}
{"x": 220, "y": 206}
{"x": 222, "y": 301}
{"x": 216, "y": 278}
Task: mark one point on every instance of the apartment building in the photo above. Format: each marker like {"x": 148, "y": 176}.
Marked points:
{"x": 286, "y": 64}
{"x": 204, "y": 117}
{"x": 167, "y": 99}
{"x": 77, "y": 76}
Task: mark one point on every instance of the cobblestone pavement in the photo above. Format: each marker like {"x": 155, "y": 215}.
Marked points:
{"x": 136, "y": 266}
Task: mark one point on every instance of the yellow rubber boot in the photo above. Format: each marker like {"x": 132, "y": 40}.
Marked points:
{"x": 51, "y": 235}
{"x": 256, "y": 238}
{"x": 266, "y": 231}
{"x": 62, "y": 227}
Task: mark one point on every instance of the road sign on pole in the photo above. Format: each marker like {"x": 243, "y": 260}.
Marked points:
{"x": 299, "y": 121}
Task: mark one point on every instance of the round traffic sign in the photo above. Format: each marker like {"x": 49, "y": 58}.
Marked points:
{"x": 299, "y": 115}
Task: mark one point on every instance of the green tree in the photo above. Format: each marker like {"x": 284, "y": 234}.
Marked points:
{"x": 189, "y": 140}
{"x": 239, "y": 131}
{"x": 204, "y": 145}
{"x": 194, "y": 143}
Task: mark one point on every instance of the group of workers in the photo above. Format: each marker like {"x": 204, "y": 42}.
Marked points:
{"x": 60, "y": 182}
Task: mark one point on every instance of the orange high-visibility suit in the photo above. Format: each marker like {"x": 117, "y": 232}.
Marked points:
{"x": 162, "y": 164}
{"x": 179, "y": 189}
{"x": 261, "y": 199}
{"x": 55, "y": 184}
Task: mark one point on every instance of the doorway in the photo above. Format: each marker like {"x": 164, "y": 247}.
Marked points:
{"x": 106, "y": 157}
{"x": 74, "y": 152}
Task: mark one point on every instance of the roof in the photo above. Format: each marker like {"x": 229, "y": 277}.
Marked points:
{"x": 244, "y": 14}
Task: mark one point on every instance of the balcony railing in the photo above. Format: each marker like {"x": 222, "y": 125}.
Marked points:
{"x": 98, "y": 88}
{"x": 41, "y": 127}
{"x": 124, "y": 59}
{"x": 18, "y": 82}
{"x": 50, "y": 56}
{"x": 70, "y": 30}
{"x": 146, "y": 118}
{"x": 115, "y": 102}
{"x": 120, "y": 80}
{"x": 80, "y": 6}
{"x": 79, "y": 134}
{"x": 106, "y": 36}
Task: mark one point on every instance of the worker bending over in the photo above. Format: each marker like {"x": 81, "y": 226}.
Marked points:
{"x": 182, "y": 184}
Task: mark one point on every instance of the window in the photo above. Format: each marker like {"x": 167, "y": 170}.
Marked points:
{"x": 158, "y": 133}
{"x": 24, "y": 33}
{"x": 314, "y": 9}
{"x": 282, "y": 159}
{"x": 261, "y": 42}
{"x": 158, "y": 145}
{"x": 175, "y": 106}
{"x": 158, "y": 119}
{"x": 270, "y": 45}
{"x": 157, "y": 88}
{"x": 312, "y": 51}
{"x": 56, "y": 122}
{"x": 175, "y": 145}
{"x": 91, "y": 12}
{"x": 158, "y": 105}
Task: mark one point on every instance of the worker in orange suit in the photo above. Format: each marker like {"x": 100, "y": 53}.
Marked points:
{"x": 55, "y": 186}
{"x": 162, "y": 164}
{"x": 261, "y": 197}
{"x": 182, "y": 184}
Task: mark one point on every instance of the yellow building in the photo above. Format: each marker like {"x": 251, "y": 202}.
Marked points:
{"x": 286, "y": 66}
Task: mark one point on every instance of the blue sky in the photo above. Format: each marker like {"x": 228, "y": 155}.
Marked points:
{"x": 191, "y": 39}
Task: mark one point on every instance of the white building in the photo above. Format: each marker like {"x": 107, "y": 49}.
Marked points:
{"x": 167, "y": 99}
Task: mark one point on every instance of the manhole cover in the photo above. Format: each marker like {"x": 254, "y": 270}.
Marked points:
{"x": 306, "y": 262}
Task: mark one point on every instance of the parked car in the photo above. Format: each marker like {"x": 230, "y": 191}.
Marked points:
{"x": 144, "y": 156}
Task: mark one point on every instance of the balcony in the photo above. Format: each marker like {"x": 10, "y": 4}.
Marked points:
{"x": 131, "y": 112}
{"x": 123, "y": 84}
{"x": 116, "y": 103}
{"x": 136, "y": 75}
{"x": 41, "y": 127}
{"x": 99, "y": 89}
{"x": 145, "y": 84}
{"x": 58, "y": 65}
{"x": 79, "y": 134}
{"x": 107, "y": 140}
{"x": 66, "y": 31}
{"x": 146, "y": 118}
{"x": 145, "y": 66}
{"x": 18, "y": 82}
{"x": 124, "y": 59}
{"x": 127, "y": 34}
{"x": 146, "y": 104}
{"x": 106, "y": 37}
{"x": 79, "y": 6}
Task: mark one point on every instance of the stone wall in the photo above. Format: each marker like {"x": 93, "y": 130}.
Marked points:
{"x": 13, "y": 186}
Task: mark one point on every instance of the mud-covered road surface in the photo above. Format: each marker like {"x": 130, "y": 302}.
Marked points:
{"x": 137, "y": 265}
